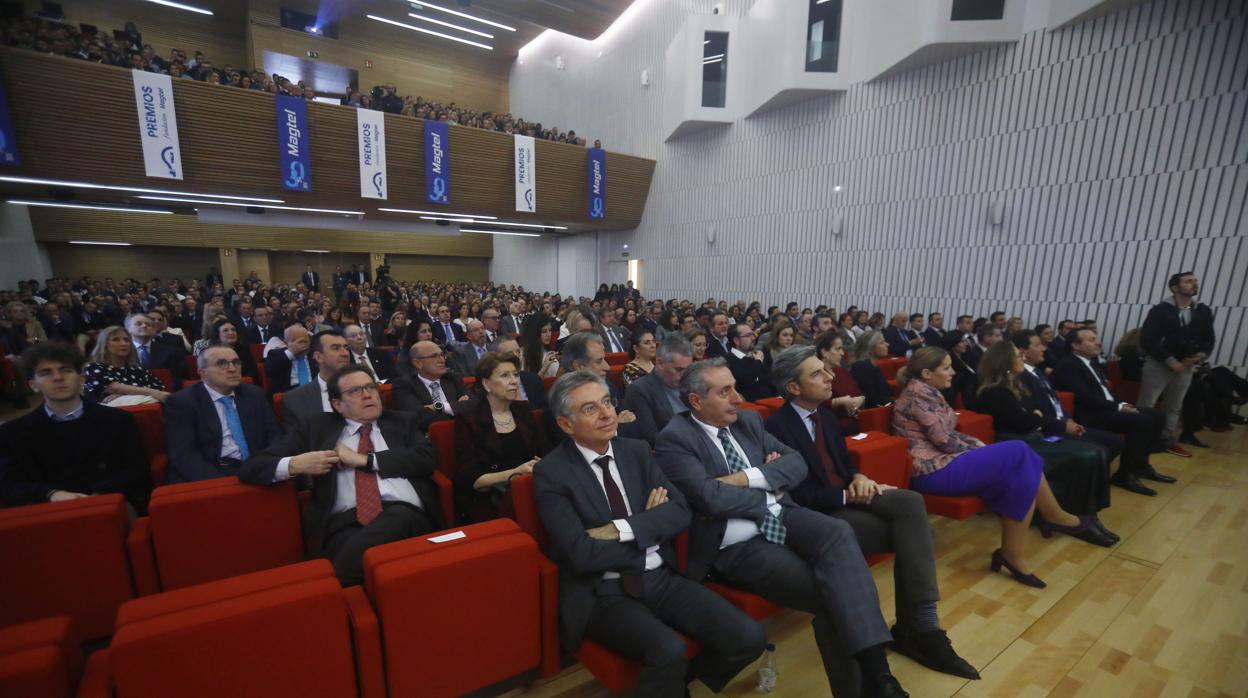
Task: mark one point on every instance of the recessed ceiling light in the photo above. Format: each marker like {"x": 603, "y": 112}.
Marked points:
{"x": 465, "y": 15}
{"x": 499, "y": 232}
{"x": 520, "y": 225}
{"x": 178, "y": 199}
{"x": 424, "y": 18}
{"x": 317, "y": 251}
{"x": 139, "y": 190}
{"x": 89, "y": 207}
{"x": 430, "y": 31}
{"x": 180, "y": 6}
{"x": 438, "y": 213}
{"x": 100, "y": 242}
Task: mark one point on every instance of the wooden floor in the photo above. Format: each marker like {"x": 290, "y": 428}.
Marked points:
{"x": 1165, "y": 613}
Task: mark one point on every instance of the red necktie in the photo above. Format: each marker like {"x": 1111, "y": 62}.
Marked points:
{"x": 825, "y": 456}
{"x": 367, "y": 494}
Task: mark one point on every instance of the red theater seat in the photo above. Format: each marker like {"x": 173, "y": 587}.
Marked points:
{"x": 617, "y": 358}
{"x": 199, "y": 532}
{"x": 771, "y": 403}
{"x": 460, "y": 615}
{"x": 192, "y": 366}
{"x": 881, "y": 457}
{"x": 150, "y": 419}
{"x": 39, "y": 659}
{"x": 1068, "y": 402}
{"x": 890, "y": 366}
{"x": 616, "y": 376}
{"x": 442, "y": 435}
{"x": 282, "y": 632}
{"x": 876, "y": 419}
{"x": 977, "y": 425}
{"x": 754, "y": 407}
{"x": 548, "y": 381}
{"x": 66, "y": 559}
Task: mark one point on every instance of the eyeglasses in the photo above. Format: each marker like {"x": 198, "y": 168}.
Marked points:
{"x": 361, "y": 389}
{"x": 227, "y": 363}
{"x": 593, "y": 409}
{"x": 430, "y": 356}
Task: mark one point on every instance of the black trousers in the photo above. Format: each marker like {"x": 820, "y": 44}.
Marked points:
{"x": 819, "y": 570}
{"x": 346, "y": 540}
{"x": 648, "y": 628}
{"x": 1142, "y": 431}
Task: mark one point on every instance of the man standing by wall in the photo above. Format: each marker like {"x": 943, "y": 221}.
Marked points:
{"x": 1177, "y": 335}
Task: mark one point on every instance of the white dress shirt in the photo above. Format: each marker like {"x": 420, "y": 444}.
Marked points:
{"x": 229, "y": 447}
{"x": 294, "y": 367}
{"x": 653, "y": 561}
{"x": 1097, "y": 377}
{"x": 445, "y": 399}
{"x": 741, "y": 530}
{"x": 1057, "y": 404}
{"x": 362, "y": 360}
{"x": 392, "y": 489}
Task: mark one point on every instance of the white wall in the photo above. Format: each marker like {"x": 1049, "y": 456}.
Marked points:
{"x": 1118, "y": 146}
{"x": 568, "y": 266}
{"x": 21, "y": 258}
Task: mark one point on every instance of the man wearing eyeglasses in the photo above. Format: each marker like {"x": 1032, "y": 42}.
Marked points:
{"x": 748, "y": 365}
{"x": 431, "y": 390}
{"x": 372, "y": 474}
{"x": 212, "y": 427}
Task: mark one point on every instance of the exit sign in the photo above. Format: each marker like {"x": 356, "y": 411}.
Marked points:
{"x": 313, "y": 54}
{"x": 368, "y": 63}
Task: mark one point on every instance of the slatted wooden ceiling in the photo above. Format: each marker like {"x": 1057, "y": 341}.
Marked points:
{"x": 228, "y": 143}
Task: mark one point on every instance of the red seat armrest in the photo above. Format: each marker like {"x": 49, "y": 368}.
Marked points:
{"x": 143, "y": 557}
{"x": 366, "y": 636}
{"x": 446, "y": 494}
{"x": 548, "y": 582}
{"x": 97, "y": 680}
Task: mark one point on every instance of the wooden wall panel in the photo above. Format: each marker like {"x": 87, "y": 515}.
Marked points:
{"x": 222, "y": 37}
{"x": 253, "y": 260}
{"x": 418, "y": 267}
{"x": 288, "y": 267}
{"x": 75, "y": 261}
{"x": 227, "y": 136}
{"x": 52, "y": 224}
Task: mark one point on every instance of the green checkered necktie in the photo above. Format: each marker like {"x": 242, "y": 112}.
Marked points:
{"x": 772, "y": 528}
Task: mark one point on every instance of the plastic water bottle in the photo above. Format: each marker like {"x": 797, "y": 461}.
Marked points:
{"x": 767, "y": 670}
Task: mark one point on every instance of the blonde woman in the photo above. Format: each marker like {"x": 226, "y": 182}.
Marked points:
{"x": 114, "y": 376}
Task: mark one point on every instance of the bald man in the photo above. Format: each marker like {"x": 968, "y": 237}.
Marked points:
{"x": 465, "y": 355}
{"x": 292, "y": 366}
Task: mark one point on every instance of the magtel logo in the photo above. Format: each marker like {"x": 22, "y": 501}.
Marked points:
{"x": 378, "y": 184}
{"x": 437, "y": 153}
{"x": 167, "y": 156}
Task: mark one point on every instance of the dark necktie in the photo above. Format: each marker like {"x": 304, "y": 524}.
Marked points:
{"x": 825, "y": 456}
{"x": 367, "y": 493}
{"x": 631, "y": 582}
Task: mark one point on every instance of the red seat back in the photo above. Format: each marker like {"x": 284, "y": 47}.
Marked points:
{"x": 277, "y": 407}
{"x": 39, "y": 659}
{"x": 877, "y": 419}
{"x": 616, "y": 376}
{"x": 883, "y": 458}
{"x": 525, "y": 505}
{"x": 192, "y": 365}
{"x": 204, "y": 531}
{"x": 1068, "y": 401}
{"x": 890, "y": 366}
{"x": 617, "y": 358}
{"x": 442, "y": 435}
{"x": 165, "y": 376}
{"x": 66, "y": 558}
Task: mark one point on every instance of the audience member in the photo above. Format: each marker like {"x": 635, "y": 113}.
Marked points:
{"x": 431, "y": 388}
{"x": 735, "y": 476}
{"x": 152, "y": 354}
{"x": 535, "y": 342}
{"x": 986, "y": 335}
{"x": 299, "y": 405}
{"x": 902, "y": 341}
{"x": 263, "y": 328}
{"x": 655, "y": 398}
{"x": 212, "y": 427}
{"x": 372, "y": 475}
{"x": 847, "y": 398}
{"x": 532, "y": 389}
{"x": 749, "y": 365}
{"x": 699, "y": 341}
{"x": 496, "y": 439}
{"x": 444, "y": 330}
{"x": 114, "y": 375}
{"x": 18, "y": 330}
{"x": 290, "y": 368}
{"x": 615, "y": 339}
{"x": 965, "y": 381}
{"x": 465, "y": 355}
{"x": 935, "y": 331}
{"x": 377, "y": 361}
{"x": 870, "y": 348}
{"x": 223, "y": 333}
{"x": 718, "y": 341}
{"x": 884, "y": 519}
{"x": 69, "y": 448}
{"x": 643, "y": 352}
{"x": 620, "y": 583}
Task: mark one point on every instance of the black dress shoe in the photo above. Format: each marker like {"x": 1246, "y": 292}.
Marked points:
{"x": 1132, "y": 483}
{"x": 1148, "y": 473}
{"x": 884, "y": 686}
{"x": 933, "y": 650}
{"x": 1108, "y": 533}
{"x": 1237, "y": 420}
{"x": 1095, "y": 536}
{"x": 1191, "y": 440}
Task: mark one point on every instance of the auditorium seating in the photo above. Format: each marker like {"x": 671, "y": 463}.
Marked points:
{"x": 617, "y": 376}
{"x": 442, "y": 435}
{"x": 889, "y": 366}
{"x": 459, "y": 615}
{"x": 150, "y": 419}
{"x": 617, "y": 358}
{"x": 66, "y": 559}
{"x": 39, "y": 659}
{"x": 165, "y": 376}
{"x": 287, "y": 631}
{"x": 199, "y": 532}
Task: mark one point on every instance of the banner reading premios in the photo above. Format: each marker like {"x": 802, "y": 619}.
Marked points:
{"x": 526, "y": 185}
{"x": 158, "y": 124}
{"x": 372, "y": 140}
{"x": 292, "y": 142}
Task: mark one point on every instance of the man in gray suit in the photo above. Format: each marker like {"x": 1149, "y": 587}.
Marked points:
{"x": 509, "y": 323}
{"x": 747, "y": 533}
{"x": 299, "y": 406}
{"x": 465, "y": 355}
{"x": 611, "y": 517}
{"x": 615, "y": 339}
{"x": 655, "y": 397}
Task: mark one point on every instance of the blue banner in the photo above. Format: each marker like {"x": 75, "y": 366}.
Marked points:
{"x": 597, "y": 176}
{"x": 8, "y": 137}
{"x": 437, "y": 162}
{"x": 292, "y": 143}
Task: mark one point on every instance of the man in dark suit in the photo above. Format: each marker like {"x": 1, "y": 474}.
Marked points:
{"x": 1095, "y": 405}
{"x": 884, "y": 519}
{"x": 377, "y": 361}
{"x": 430, "y": 389}
{"x": 615, "y": 339}
{"x": 748, "y": 534}
{"x": 747, "y": 364}
{"x": 311, "y": 279}
{"x": 212, "y": 427}
{"x": 465, "y": 355}
{"x": 263, "y": 329}
{"x": 532, "y": 388}
{"x": 372, "y": 475}
{"x": 901, "y": 340}
{"x": 153, "y": 354}
{"x": 290, "y": 367}
{"x": 359, "y": 276}
{"x": 245, "y": 317}
{"x": 508, "y": 323}
{"x": 300, "y": 405}
{"x": 214, "y": 277}
{"x": 987, "y": 335}
{"x": 718, "y": 343}
{"x": 611, "y": 517}
{"x": 934, "y": 335}
{"x": 374, "y": 328}
{"x": 444, "y": 330}
{"x": 655, "y": 397}
{"x": 67, "y": 448}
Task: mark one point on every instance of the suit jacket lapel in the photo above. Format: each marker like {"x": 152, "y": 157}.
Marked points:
{"x": 210, "y": 412}
{"x": 588, "y": 480}
{"x": 710, "y": 454}
{"x": 634, "y": 488}
{"x": 798, "y": 432}
{"x": 753, "y": 450}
